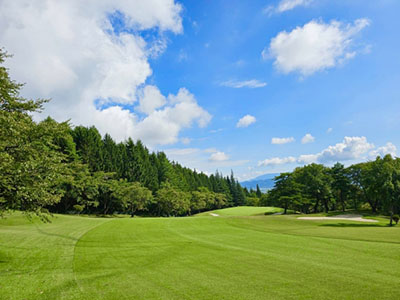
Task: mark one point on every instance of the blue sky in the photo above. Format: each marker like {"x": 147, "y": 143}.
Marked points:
{"x": 224, "y": 40}
{"x": 181, "y": 74}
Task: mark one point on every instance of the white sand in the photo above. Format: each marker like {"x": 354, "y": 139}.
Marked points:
{"x": 340, "y": 217}
{"x": 214, "y": 215}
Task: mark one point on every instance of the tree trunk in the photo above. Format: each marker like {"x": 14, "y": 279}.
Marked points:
{"x": 325, "y": 203}
{"x": 316, "y": 206}
{"x": 326, "y": 206}
{"x": 373, "y": 205}
{"x": 391, "y": 217}
{"x": 342, "y": 201}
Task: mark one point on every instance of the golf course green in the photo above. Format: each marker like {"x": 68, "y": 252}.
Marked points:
{"x": 199, "y": 257}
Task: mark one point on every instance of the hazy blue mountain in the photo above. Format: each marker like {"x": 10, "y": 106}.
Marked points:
{"x": 265, "y": 182}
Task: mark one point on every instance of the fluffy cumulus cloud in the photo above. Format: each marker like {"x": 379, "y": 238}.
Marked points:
{"x": 315, "y": 46}
{"x": 389, "y": 148}
{"x": 94, "y": 71}
{"x": 351, "y": 148}
{"x": 246, "y": 121}
{"x": 150, "y": 98}
{"x": 281, "y": 141}
{"x": 162, "y": 126}
{"x": 218, "y": 156}
{"x": 308, "y": 138}
{"x": 252, "y": 83}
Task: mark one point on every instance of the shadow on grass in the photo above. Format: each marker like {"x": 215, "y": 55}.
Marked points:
{"x": 56, "y": 235}
{"x": 353, "y": 225}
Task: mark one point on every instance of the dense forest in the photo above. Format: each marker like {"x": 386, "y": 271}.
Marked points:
{"x": 51, "y": 167}
{"x": 372, "y": 185}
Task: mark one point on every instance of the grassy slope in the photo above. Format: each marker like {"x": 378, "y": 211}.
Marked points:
{"x": 36, "y": 259}
{"x": 243, "y": 211}
{"x": 199, "y": 258}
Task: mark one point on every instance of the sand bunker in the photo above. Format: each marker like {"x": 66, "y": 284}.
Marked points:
{"x": 340, "y": 217}
{"x": 214, "y": 215}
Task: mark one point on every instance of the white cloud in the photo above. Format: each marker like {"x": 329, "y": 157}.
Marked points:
{"x": 71, "y": 54}
{"x": 163, "y": 126}
{"x": 308, "y": 138}
{"x": 286, "y": 5}
{"x": 246, "y": 121}
{"x": 219, "y": 156}
{"x": 389, "y": 148}
{"x": 150, "y": 99}
{"x": 182, "y": 152}
{"x": 118, "y": 122}
{"x": 351, "y": 148}
{"x": 277, "y": 161}
{"x": 315, "y": 46}
{"x": 253, "y": 83}
{"x": 329, "y": 130}
{"x": 281, "y": 141}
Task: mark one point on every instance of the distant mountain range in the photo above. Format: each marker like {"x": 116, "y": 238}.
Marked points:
{"x": 265, "y": 182}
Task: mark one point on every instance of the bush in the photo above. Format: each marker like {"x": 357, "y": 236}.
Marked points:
{"x": 78, "y": 208}
{"x": 366, "y": 206}
{"x": 396, "y": 218}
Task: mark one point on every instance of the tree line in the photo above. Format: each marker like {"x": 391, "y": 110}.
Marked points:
{"x": 372, "y": 185}
{"x": 50, "y": 166}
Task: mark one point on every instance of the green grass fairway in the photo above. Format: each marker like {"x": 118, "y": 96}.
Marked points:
{"x": 257, "y": 257}
{"x": 242, "y": 211}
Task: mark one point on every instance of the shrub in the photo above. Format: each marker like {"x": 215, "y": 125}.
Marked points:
{"x": 396, "y": 218}
{"x": 78, "y": 208}
{"x": 366, "y": 206}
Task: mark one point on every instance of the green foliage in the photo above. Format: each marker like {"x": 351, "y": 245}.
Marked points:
{"x": 132, "y": 162}
{"x": 78, "y": 208}
{"x": 89, "y": 147}
{"x": 31, "y": 164}
{"x": 252, "y": 201}
{"x": 201, "y": 199}
{"x": 134, "y": 196}
{"x": 341, "y": 184}
{"x": 371, "y": 185}
{"x": 172, "y": 201}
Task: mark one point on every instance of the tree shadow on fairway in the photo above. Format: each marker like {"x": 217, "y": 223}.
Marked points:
{"x": 352, "y": 225}
{"x": 56, "y": 235}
